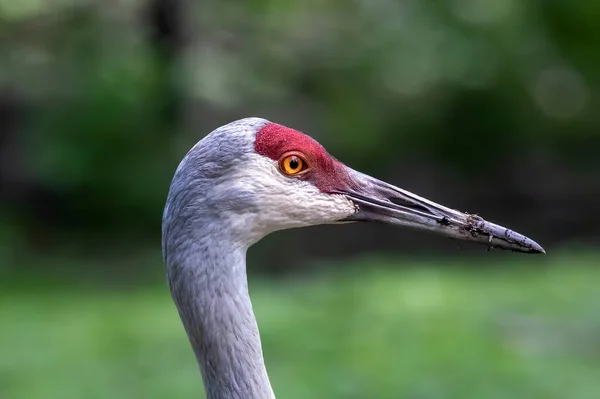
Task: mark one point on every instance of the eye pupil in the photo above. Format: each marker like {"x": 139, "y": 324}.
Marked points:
{"x": 294, "y": 164}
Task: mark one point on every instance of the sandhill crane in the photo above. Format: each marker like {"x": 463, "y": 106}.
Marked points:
{"x": 250, "y": 178}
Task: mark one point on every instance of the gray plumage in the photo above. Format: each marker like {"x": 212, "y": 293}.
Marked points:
{"x": 206, "y": 264}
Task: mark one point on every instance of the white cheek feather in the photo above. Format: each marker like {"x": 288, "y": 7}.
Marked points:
{"x": 285, "y": 202}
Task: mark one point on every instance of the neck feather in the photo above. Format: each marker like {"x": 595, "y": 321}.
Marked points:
{"x": 209, "y": 286}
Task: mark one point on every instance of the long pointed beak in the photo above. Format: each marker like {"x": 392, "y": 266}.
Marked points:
{"x": 382, "y": 202}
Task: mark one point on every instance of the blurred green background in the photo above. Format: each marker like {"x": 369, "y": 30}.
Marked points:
{"x": 487, "y": 106}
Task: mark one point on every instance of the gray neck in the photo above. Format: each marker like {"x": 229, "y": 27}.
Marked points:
{"x": 209, "y": 286}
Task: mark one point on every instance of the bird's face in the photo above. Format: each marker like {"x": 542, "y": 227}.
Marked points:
{"x": 295, "y": 182}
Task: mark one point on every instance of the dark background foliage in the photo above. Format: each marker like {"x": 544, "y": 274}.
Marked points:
{"x": 490, "y": 108}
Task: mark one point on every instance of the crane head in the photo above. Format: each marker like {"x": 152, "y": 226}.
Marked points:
{"x": 263, "y": 177}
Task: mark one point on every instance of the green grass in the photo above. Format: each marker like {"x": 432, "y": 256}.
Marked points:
{"x": 527, "y": 330}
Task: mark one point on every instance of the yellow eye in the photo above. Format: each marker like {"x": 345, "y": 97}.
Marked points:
{"x": 292, "y": 164}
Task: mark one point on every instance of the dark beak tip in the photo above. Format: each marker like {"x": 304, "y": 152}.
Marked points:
{"x": 537, "y": 248}
{"x": 540, "y": 249}
{"x": 529, "y": 246}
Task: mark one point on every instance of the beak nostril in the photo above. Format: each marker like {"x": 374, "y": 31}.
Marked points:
{"x": 410, "y": 204}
